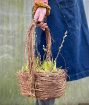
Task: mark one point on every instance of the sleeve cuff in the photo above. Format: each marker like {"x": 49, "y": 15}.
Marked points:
{"x": 43, "y": 1}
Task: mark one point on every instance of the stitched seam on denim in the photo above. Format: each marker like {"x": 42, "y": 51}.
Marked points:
{"x": 70, "y": 6}
{"x": 67, "y": 7}
{"x": 79, "y": 73}
{"x": 59, "y": 1}
{"x": 65, "y": 19}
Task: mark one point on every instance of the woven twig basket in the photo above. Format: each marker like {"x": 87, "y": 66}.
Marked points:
{"x": 45, "y": 85}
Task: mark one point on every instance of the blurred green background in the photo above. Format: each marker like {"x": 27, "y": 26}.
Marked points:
{"x": 15, "y": 18}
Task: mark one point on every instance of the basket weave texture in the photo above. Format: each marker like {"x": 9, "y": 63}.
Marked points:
{"x": 45, "y": 85}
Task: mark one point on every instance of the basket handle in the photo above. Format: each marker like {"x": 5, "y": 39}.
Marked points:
{"x": 31, "y": 55}
{"x": 48, "y": 42}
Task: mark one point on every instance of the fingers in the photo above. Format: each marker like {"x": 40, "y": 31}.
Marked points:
{"x": 42, "y": 25}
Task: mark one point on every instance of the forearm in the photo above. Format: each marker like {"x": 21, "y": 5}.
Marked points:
{"x": 44, "y": 1}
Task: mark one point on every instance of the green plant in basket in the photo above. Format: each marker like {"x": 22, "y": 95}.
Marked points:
{"x": 46, "y": 66}
{"x": 25, "y": 68}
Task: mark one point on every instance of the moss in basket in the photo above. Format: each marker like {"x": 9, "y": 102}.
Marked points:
{"x": 46, "y": 66}
{"x": 25, "y": 68}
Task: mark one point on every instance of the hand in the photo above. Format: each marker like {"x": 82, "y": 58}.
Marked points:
{"x": 39, "y": 16}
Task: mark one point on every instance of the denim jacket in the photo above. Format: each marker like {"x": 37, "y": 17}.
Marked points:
{"x": 74, "y": 56}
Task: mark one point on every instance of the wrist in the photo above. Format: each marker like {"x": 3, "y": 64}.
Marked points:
{"x": 38, "y": 4}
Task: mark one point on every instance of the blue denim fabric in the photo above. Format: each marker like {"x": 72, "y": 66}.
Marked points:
{"x": 68, "y": 15}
